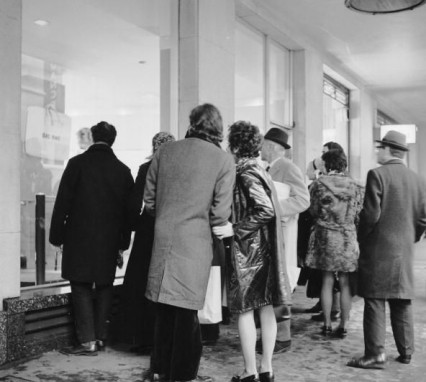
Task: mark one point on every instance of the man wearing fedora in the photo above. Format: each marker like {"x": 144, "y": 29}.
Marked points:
{"x": 392, "y": 219}
{"x": 282, "y": 170}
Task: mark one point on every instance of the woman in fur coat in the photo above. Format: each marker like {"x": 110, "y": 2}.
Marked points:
{"x": 336, "y": 201}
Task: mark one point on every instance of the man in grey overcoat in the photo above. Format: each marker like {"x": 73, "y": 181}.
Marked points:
{"x": 393, "y": 218}
{"x": 189, "y": 190}
{"x": 89, "y": 221}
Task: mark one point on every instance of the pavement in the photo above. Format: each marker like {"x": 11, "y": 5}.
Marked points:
{"x": 312, "y": 358}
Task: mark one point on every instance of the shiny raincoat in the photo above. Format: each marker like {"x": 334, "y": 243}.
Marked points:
{"x": 256, "y": 275}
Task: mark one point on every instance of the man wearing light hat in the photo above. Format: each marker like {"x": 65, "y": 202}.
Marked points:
{"x": 392, "y": 219}
{"x": 294, "y": 198}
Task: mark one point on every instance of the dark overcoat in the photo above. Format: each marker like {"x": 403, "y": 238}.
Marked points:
{"x": 257, "y": 272}
{"x": 89, "y": 215}
{"x": 189, "y": 189}
{"x": 392, "y": 219}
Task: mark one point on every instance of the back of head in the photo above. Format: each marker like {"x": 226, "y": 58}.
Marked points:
{"x": 104, "y": 132}
{"x": 335, "y": 160}
{"x": 333, "y": 146}
{"x": 245, "y": 140}
{"x": 161, "y": 138}
{"x": 206, "y": 123}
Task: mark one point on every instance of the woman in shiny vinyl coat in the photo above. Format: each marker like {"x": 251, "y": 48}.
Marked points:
{"x": 256, "y": 277}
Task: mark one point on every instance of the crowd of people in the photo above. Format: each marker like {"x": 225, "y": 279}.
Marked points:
{"x": 190, "y": 198}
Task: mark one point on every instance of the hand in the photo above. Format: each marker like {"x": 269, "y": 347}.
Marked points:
{"x": 223, "y": 231}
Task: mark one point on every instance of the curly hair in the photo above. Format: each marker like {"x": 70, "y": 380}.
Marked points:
{"x": 335, "y": 160}
{"x": 245, "y": 140}
{"x": 206, "y": 123}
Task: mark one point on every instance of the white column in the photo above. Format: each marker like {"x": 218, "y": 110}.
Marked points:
{"x": 10, "y": 131}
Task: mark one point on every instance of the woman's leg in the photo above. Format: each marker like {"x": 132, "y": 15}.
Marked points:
{"x": 327, "y": 296}
{"x": 345, "y": 298}
{"x": 268, "y": 328}
{"x": 248, "y": 335}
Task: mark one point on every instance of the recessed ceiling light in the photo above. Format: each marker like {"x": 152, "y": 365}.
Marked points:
{"x": 141, "y": 62}
{"x": 41, "y": 23}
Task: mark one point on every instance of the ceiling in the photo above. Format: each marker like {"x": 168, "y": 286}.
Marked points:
{"x": 385, "y": 53}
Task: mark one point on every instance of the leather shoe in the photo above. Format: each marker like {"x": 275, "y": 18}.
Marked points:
{"x": 406, "y": 359}
{"x": 266, "y": 377}
{"x": 374, "y": 362}
{"x": 250, "y": 378}
{"x": 280, "y": 346}
{"x": 88, "y": 349}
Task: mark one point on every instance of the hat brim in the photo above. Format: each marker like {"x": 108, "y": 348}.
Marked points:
{"x": 286, "y": 145}
{"x": 394, "y": 145}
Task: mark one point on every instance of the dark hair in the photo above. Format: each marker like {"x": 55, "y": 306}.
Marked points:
{"x": 104, "y": 132}
{"x": 245, "y": 140}
{"x": 206, "y": 123}
{"x": 333, "y": 146}
{"x": 334, "y": 160}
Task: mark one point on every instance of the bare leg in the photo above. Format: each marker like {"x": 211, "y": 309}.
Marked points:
{"x": 327, "y": 296}
{"x": 268, "y": 327}
{"x": 248, "y": 335}
{"x": 345, "y": 298}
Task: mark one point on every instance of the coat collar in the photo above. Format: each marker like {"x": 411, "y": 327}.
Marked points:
{"x": 100, "y": 147}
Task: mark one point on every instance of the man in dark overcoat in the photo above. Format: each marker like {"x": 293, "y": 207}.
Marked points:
{"x": 392, "y": 219}
{"x": 189, "y": 190}
{"x": 89, "y": 222}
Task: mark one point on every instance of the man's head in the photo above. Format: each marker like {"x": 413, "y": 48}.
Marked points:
{"x": 274, "y": 144}
{"x": 206, "y": 122}
{"x": 334, "y": 160}
{"x": 392, "y": 145}
{"x": 103, "y": 132}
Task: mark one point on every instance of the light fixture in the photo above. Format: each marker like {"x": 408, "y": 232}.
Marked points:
{"x": 383, "y": 6}
{"x": 41, "y": 23}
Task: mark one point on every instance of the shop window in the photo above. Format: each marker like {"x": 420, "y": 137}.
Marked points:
{"x": 85, "y": 61}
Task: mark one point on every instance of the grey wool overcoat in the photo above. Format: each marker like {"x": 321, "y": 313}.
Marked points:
{"x": 189, "y": 190}
{"x": 392, "y": 219}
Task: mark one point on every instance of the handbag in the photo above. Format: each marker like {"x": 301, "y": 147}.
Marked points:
{"x": 212, "y": 309}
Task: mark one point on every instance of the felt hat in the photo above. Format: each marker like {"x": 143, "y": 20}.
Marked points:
{"x": 278, "y": 136}
{"x": 394, "y": 139}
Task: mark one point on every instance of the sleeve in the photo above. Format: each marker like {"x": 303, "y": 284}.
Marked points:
{"x": 421, "y": 221}
{"x": 151, "y": 185}
{"x": 135, "y": 201}
{"x": 220, "y": 210}
{"x": 371, "y": 211}
{"x": 259, "y": 205}
{"x": 315, "y": 197}
{"x": 63, "y": 203}
{"x": 127, "y": 229}
{"x": 299, "y": 198}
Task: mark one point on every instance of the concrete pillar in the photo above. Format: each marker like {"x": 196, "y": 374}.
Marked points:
{"x": 206, "y": 58}
{"x": 10, "y": 130}
{"x": 307, "y": 107}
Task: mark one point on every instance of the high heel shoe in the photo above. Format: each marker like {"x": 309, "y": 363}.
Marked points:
{"x": 341, "y": 333}
{"x": 267, "y": 376}
{"x": 250, "y": 378}
{"x": 326, "y": 331}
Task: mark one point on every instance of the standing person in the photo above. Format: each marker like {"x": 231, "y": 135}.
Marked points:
{"x": 189, "y": 191}
{"x": 336, "y": 201}
{"x": 392, "y": 219}
{"x": 137, "y": 312}
{"x": 282, "y": 170}
{"x": 89, "y": 221}
{"x": 256, "y": 273}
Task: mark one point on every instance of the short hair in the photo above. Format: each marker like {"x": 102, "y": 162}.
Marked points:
{"x": 335, "y": 160}
{"x": 396, "y": 152}
{"x": 104, "y": 132}
{"x": 206, "y": 123}
{"x": 333, "y": 146}
{"x": 161, "y": 138}
{"x": 245, "y": 140}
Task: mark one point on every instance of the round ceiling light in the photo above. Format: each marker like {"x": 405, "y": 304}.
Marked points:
{"x": 383, "y": 6}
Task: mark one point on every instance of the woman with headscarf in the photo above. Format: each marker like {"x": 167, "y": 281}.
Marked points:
{"x": 256, "y": 277}
{"x": 137, "y": 325}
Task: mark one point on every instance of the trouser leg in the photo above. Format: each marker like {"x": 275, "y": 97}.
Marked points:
{"x": 401, "y": 315}
{"x": 82, "y": 301}
{"x": 374, "y": 326}
{"x": 104, "y": 298}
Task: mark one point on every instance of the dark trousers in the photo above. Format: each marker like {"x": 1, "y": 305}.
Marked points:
{"x": 177, "y": 343}
{"x": 401, "y": 316}
{"x": 91, "y": 317}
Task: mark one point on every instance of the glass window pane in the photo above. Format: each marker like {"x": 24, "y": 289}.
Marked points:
{"x": 279, "y": 85}
{"x": 249, "y": 76}
{"x": 86, "y": 61}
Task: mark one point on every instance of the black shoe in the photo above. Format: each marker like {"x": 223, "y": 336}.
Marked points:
{"x": 405, "y": 359}
{"x": 326, "y": 331}
{"x": 266, "y": 377}
{"x": 280, "y": 346}
{"x": 250, "y": 378}
{"x": 315, "y": 309}
{"x": 374, "y": 362}
{"x": 88, "y": 349}
{"x": 141, "y": 349}
{"x": 340, "y": 333}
